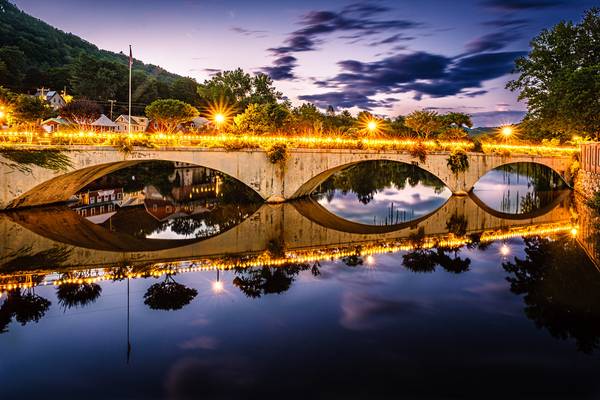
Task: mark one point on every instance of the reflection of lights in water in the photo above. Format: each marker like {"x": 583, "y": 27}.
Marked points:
{"x": 217, "y": 287}
{"x": 504, "y": 250}
{"x": 574, "y": 232}
{"x": 160, "y": 269}
{"x": 370, "y": 260}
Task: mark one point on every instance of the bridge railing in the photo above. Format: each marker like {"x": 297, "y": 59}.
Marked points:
{"x": 590, "y": 157}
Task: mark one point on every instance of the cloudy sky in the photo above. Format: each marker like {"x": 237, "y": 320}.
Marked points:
{"x": 388, "y": 56}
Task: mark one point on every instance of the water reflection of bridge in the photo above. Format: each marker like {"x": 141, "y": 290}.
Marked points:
{"x": 31, "y": 239}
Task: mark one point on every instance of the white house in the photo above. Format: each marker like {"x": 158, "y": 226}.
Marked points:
{"x": 138, "y": 124}
{"x": 52, "y": 97}
{"x": 105, "y": 124}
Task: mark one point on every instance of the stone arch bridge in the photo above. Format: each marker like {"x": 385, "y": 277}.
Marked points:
{"x": 27, "y": 185}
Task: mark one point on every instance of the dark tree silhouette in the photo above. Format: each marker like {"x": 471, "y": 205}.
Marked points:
{"x": 23, "y": 306}
{"x": 353, "y": 260}
{"x": 453, "y": 264}
{"x": 419, "y": 261}
{"x": 560, "y": 287}
{"x": 77, "y": 294}
{"x": 169, "y": 295}
{"x": 257, "y": 282}
{"x": 426, "y": 261}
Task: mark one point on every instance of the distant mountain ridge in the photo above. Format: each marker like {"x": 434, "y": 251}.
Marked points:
{"x": 34, "y": 53}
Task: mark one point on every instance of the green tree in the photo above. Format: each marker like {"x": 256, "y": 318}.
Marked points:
{"x": 145, "y": 88}
{"x": 238, "y": 89}
{"x": 456, "y": 119}
{"x": 98, "y": 79}
{"x": 169, "y": 113}
{"x": 262, "y": 118}
{"x": 454, "y": 124}
{"x": 12, "y": 66}
{"x": 305, "y": 119}
{"x": 185, "y": 89}
{"x": 560, "y": 80}
{"x": 424, "y": 123}
{"x": 30, "y": 110}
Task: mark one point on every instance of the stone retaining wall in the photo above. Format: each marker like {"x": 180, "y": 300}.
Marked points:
{"x": 587, "y": 183}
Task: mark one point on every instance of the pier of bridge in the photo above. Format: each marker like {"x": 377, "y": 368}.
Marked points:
{"x": 303, "y": 170}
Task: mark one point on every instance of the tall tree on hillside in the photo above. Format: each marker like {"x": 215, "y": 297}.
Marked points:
{"x": 560, "y": 80}
{"x": 424, "y": 123}
{"x": 238, "y": 89}
{"x": 97, "y": 79}
{"x": 169, "y": 113}
{"x": 12, "y": 66}
{"x": 457, "y": 119}
{"x": 185, "y": 89}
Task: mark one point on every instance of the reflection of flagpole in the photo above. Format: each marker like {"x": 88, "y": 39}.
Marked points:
{"x": 130, "y": 66}
{"x": 128, "y": 342}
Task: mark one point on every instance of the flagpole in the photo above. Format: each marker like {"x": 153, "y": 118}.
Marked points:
{"x": 130, "y": 65}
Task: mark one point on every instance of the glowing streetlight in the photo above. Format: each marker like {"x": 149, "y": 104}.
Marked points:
{"x": 372, "y": 126}
{"x": 504, "y": 250}
{"x": 219, "y": 118}
{"x": 370, "y": 260}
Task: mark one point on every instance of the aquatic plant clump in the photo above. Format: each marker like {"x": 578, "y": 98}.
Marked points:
{"x": 458, "y": 161}
{"x": 277, "y": 153}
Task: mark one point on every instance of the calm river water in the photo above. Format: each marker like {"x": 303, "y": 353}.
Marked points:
{"x": 167, "y": 281}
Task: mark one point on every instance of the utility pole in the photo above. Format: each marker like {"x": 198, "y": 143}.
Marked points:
{"x": 42, "y": 90}
{"x": 112, "y": 102}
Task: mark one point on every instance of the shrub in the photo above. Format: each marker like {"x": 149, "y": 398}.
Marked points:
{"x": 277, "y": 153}
{"x": 458, "y": 161}
{"x": 123, "y": 144}
{"x": 419, "y": 151}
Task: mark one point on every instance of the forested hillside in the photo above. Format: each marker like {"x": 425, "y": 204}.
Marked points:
{"x": 35, "y": 54}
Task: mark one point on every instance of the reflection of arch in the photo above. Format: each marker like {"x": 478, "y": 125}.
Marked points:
{"x": 563, "y": 194}
{"x": 66, "y": 226}
{"x": 312, "y": 210}
{"x": 309, "y": 186}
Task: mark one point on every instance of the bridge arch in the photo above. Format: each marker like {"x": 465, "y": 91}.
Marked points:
{"x": 60, "y": 186}
{"x": 313, "y": 182}
{"x": 559, "y": 169}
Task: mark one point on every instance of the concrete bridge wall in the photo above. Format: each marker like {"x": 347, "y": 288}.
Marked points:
{"x": 30, "y": 185}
